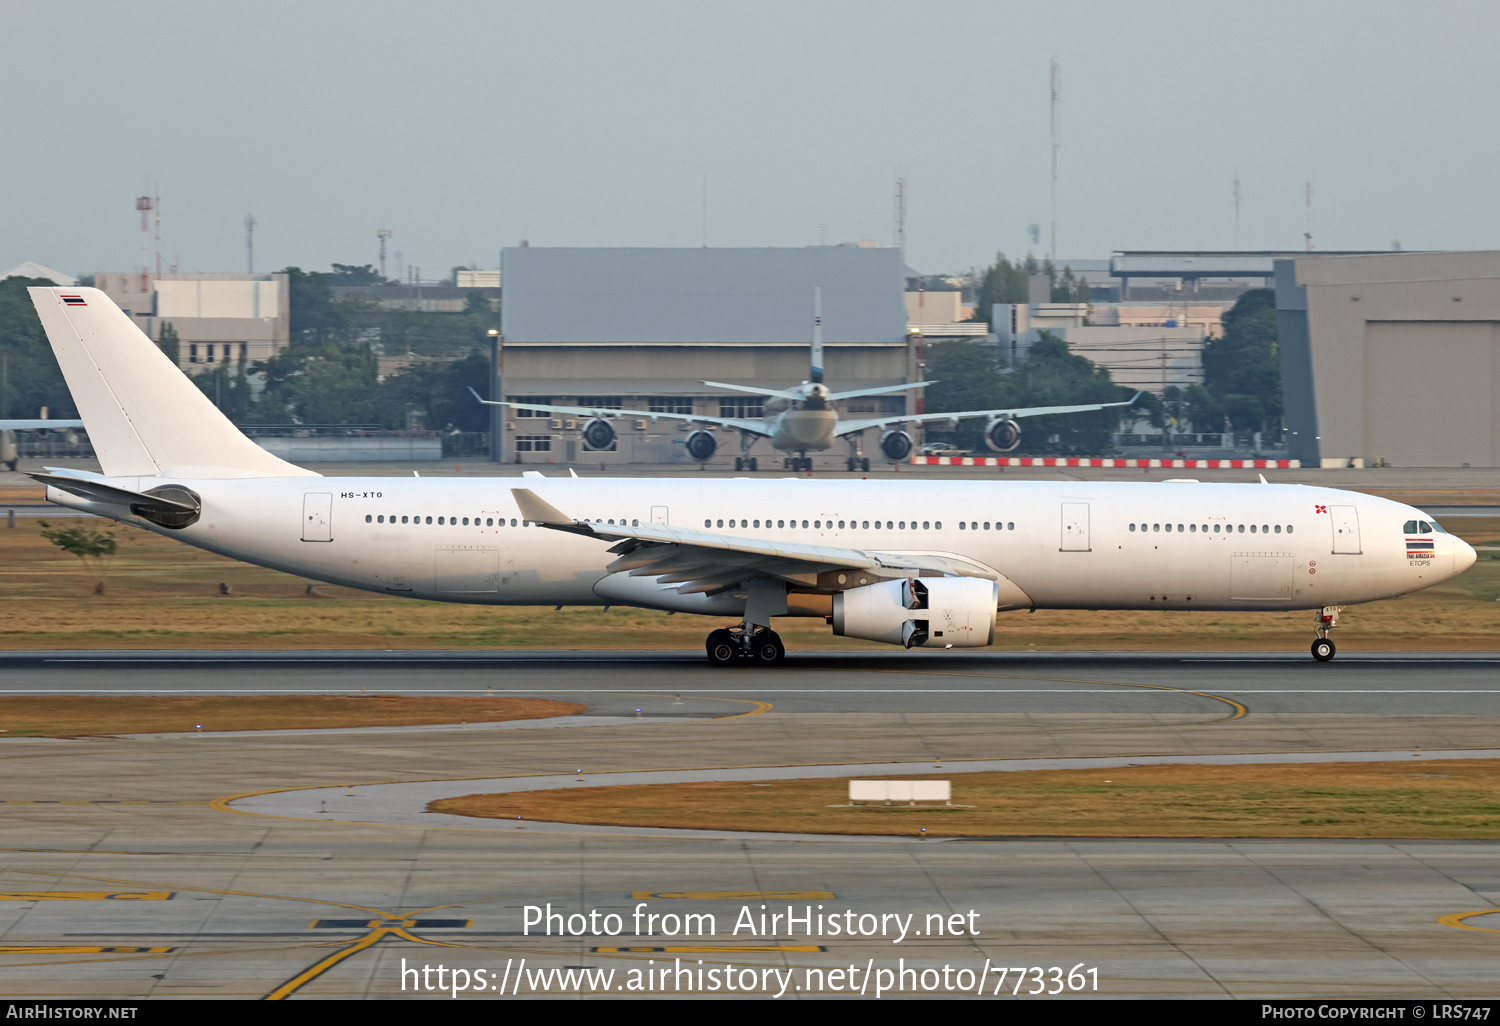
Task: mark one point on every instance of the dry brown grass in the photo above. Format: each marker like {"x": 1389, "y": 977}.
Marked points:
{"x": 1446, "y": 799}
{"x": 163, "y": 594}
{"x": 79, "y": 716}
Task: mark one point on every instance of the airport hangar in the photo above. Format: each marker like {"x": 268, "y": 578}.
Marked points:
{"x": 642, "y": 329}
{"x": 1391, "y": 359}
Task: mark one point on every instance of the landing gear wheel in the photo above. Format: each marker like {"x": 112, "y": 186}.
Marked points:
{"x": 864, "y": 464}
{"x": 753, "y": 464}
{"x": 851, "y": 464}
{"x": 739, "y": 464}
{"x": 722, "y": 648}
{"x": 1323, "y": 650}
{"x": 768, "y": 649}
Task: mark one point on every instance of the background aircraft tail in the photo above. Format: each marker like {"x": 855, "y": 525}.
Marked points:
{"x": 817, "y": 339}
{"x": 144, "y": 417}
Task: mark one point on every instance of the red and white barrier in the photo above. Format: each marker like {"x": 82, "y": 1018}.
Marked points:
{"x": 1100, "y": 461}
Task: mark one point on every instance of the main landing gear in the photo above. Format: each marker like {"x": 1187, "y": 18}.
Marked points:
{"x": 729, "y": 645}
{"x": 1323, "y": 648}
{"x": 746, "y": 463}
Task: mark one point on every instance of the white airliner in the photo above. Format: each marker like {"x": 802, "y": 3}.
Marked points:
{"x": 802, "y": 419}
{"x": 908, "y": 562}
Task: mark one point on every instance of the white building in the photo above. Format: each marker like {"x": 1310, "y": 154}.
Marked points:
{"x": 219, "y": 318}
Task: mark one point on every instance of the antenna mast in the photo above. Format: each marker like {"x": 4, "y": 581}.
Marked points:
{"x": 1056, "y": 99}
{"x": 250, "y": 224}
{"x": 901, "y": 212}
{"x": 382, "y": 234}
{"x": 157, "y": 211}
{"x": 1307, "y": 199}
{"x": 1236, "y": 208}
{"x": 143, "y": 204}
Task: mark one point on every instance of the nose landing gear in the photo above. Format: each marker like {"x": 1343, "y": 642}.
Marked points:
{"x": 1323, "y": 649}
{"x": 728, "y": 645}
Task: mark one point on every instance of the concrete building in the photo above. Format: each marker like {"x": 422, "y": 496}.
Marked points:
{"x": 220, "y": 318}
{"x": 1392, "y": 357}
{"x": 641, "y": 329}
{"x": 1148, "y": 356}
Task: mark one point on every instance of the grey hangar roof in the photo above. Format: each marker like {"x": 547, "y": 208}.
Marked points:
{"x": 693, "y": 295}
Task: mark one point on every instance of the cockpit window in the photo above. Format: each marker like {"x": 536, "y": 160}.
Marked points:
{"x": 1422, "y": 527}
{"x": 1436, "y": 527}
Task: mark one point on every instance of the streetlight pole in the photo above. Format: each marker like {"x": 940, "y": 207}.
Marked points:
{"x": 497, "y": 429}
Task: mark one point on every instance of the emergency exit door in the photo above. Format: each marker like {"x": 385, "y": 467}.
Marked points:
{"x": 1345, "y": 528}
{"x": 317, "y": 517}
{"x": 658, "y": 514}
{"x": 1075, "y": 527}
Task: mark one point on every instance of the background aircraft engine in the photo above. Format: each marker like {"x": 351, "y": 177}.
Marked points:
{"x": 599, "y": 433}
{"x": 933, "y": 612}
{"x": 701, "y": 446}
{"x": 1002, "y": 434}
{"x": 896, "y": 445}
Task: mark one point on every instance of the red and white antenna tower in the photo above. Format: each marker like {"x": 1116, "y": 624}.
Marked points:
{"x": 144, "y": 205}
{"x": 382, "y": 234}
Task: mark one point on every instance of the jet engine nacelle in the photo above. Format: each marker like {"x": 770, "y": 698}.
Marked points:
{"x": 598, "y": 434}
{"x": 1002, "y": 434}
{"x": 896, "y": 445}
{"x": 701, "y": 446}
{"x": 933, "y": 612}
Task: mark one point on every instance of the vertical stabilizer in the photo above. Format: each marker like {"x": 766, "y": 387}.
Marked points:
{"x": 144, "y": 417}
{"x": 817, "y": 338}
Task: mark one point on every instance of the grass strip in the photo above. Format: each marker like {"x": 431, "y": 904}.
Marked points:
{"x": 1406, "y": 799}
{"x": 84, "y": 716}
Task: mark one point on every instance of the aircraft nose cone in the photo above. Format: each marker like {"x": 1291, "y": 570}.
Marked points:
{"x": 1463, "y": 555}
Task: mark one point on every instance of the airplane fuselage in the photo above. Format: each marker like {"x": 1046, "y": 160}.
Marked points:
{"x": 1061, "y": 544}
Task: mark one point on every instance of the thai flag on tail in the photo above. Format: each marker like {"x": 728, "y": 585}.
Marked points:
{"x": 73, "y": 301}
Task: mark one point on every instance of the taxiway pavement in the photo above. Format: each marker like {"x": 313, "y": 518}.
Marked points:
{"x": 125, "y": 870}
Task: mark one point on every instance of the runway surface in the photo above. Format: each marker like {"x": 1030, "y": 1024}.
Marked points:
{"x": 615, "y": 683}
{"x": 124, "y": 873}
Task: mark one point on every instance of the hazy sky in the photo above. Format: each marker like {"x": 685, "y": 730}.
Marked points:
{"x": 466, "y": 125}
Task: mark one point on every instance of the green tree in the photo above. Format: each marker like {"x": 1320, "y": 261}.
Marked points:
{"x": 31, "y": 377}
{"x": 92, "y": 546}
{"x": 1001, "y": 282}
{"x": 968, "y": 376}
{"x": 350, "y": 274}
{"x": 1242, "y": 369}
{"x": 229, "y": 388}
{"x": 316, "y": 318}
{"x": 168, "y": 342}
{"x": 439, "y": 392}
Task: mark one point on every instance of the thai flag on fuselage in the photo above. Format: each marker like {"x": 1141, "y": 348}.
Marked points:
{"x": 73, "y": 301}
{"x": 1419, "y": 547}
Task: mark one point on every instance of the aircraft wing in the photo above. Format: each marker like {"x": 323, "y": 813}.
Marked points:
{"x": 38, "y": 425}
{"x": 753, "y": 390}
{"x": 834, "y": 396}
{"x": 849, "y": 427}
{"x": 754, "y": 427}
{"x": 706, "y": 561}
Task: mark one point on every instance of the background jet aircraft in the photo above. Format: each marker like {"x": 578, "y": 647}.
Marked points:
{"x": 801, "y": 419}
{"x": 10, "y": 455}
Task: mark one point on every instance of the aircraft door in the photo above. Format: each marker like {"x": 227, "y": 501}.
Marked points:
{"x": 317, "y": 517}
{"x": 658, "y": 514}
{"x": 1075, "y": 527}
{"x": 1345, "y": 528}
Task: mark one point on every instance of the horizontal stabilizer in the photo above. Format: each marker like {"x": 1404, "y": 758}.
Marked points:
{"x": 97, "y": 491}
